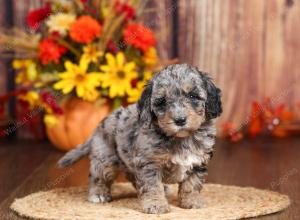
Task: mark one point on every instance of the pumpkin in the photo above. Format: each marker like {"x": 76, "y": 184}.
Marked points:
{"x": 79, "y": 119}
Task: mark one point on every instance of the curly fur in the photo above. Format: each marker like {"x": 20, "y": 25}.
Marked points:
{"x": 167, "y": 137}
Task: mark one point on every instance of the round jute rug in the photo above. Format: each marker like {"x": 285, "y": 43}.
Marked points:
{"x": 222, "y": 202}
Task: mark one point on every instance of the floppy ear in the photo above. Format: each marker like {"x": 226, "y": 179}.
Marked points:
{"x": 213, "y": 105}
{"x": 144, "y": 104}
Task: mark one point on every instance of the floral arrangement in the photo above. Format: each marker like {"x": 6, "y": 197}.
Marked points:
{"x": 91, "y": 49}
{"x": 265, "y": 118}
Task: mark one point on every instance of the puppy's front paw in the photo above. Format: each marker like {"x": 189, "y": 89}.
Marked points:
{"x": 192, "y": 202}
{"x": 156, "y": 208}
{"x": 99, "y": 198}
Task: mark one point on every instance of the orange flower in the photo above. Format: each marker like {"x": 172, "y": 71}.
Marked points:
{"x": 50, "y": 51}
{"x": 256, "y": 119}
{"x": 139, "y": 36}
{"x": 85, "y": 29}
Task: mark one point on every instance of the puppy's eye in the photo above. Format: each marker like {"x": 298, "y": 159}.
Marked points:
{"x": 160, "y": 101}
{"x": 193, "y": 96}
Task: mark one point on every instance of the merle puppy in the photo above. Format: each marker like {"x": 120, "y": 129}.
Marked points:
{"x": 167, "y": 137}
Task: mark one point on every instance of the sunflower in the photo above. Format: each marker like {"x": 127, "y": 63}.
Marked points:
{"x": 76, "y": 76}
{"x": 117, "y": 75}
{"x": 90, "y": 53}
{"x": 91, "y": 95}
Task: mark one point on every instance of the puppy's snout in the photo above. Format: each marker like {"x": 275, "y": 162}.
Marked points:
{"x": 180, "y": 121}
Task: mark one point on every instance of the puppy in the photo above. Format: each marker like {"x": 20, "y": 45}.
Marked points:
{"x": 167, "y": 137}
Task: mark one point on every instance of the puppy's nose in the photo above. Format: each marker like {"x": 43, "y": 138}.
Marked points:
{"x": 180, "y": 121}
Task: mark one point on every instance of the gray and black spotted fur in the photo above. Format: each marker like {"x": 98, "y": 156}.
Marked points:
{"x": 167, "y": 137}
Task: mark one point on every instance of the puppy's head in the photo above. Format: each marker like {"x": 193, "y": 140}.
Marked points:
{"x": 179, "y": 99}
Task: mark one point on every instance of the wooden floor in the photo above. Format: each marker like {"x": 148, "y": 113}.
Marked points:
{"x": 27, "y": 167}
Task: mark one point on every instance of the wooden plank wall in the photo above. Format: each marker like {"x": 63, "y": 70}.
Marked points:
{"x": 158, "y": 16}
{"x": 2, "y": 67}
{"x": 22, "y": 8}
{"x": 250, "y": 47}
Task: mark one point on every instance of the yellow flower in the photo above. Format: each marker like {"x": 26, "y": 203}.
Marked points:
{"x": 135, "y": 93}
{"x": 50, "y": 120}
{"x": 32, "y": 98}
{"x": 19, "y": 64}
{"x": 147, "y": 75}
{"x": 90, "y": 53}
{"x": 104, "y": 8}
{"x": 117, "y": 75}
{"x": 76, "y": 76}
{"x": 28, "y": 71}
{"x": 60, "y": 22}
{"x": 91, "y": 95}
{"x": 150, "y": 57}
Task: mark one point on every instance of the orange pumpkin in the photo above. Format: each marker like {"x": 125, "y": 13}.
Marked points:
{"x": 76, "y": 124}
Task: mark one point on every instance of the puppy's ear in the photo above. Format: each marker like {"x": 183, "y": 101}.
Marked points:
{"x": 213, "y": 105}
{"x": 144, "y": 104}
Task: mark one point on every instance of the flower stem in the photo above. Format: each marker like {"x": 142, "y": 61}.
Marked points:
{"x": 70, "y": 47}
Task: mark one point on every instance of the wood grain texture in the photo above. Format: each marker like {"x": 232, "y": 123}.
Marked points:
{"x": 2, "y": 66}
{"x": 250, "y": 47}
{"x": 18, "y": 160}
{"x": 22, "y": 8}
{"x": 158, "y": 16}
{"x": 263, "y": 163}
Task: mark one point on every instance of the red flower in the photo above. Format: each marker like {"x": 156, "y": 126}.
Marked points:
{"x": 111, "y": 46}
{"x": 49, "y": 99}
{"x": 35, "y": 17}
{"x": 90, "y": 9}
{"x": 139, "y": 36}
{"x": 124, "y": 8}
{"x": 87, "y": 8}
{"x": 134, "y": 83}
{"x": 85, "y": 29}
{"x": 54, "y": 35}
{"x": 49, "y": 51}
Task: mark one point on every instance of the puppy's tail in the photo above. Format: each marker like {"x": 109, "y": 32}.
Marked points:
{"x": 74, "y": 155}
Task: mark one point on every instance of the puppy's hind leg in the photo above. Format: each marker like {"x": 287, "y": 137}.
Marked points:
{"x": 103, "y": 168}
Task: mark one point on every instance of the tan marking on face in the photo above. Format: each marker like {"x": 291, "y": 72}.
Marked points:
{"x": 187, "y": 87}
{"x": 194, "y": 118}
{"x": 167, "y": 124}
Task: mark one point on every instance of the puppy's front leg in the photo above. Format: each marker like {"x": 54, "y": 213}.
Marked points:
{"x": 189, "y": 190}
{"x": 151, "y": 190}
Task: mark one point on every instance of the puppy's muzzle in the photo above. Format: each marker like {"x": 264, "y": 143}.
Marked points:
{"x": 180, "y": 121}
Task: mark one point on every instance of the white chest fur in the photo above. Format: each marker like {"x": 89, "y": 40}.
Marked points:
{"x": 188, "y": 159}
